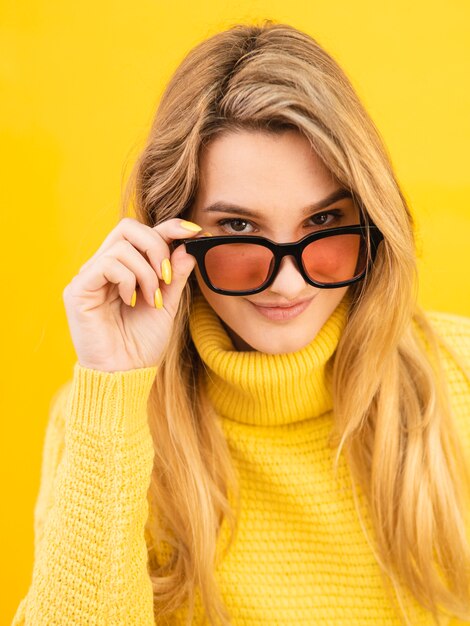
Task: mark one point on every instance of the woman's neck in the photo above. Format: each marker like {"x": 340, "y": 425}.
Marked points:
{"x": 239, "y": 343}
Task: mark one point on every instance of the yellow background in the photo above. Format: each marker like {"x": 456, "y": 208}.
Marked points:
{"x": 79, "y": 85}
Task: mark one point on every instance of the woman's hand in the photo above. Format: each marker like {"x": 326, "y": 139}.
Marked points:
{"x": 107, "y": 332}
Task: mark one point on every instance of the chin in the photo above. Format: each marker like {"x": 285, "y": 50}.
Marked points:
{"x": 282, "y": 347}
{"x": 276, "y": 339}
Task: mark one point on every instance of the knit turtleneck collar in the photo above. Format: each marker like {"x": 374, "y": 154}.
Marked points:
{"x": 259, "y": 388}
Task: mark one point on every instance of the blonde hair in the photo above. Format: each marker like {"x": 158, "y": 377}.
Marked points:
{"x": 392, "y": 415}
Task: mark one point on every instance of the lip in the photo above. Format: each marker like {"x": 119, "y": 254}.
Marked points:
{"x": 280, "y": 313}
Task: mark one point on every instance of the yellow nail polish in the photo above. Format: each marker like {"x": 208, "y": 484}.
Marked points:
{"x": 158, "y": 299}
{"x": 207, "y": 235}
{"x": 190, "y": 226}
{"x": 134, "y": 298}
{"x": 166, "y": 271}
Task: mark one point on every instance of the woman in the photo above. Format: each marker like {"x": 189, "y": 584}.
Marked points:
{"x": 279, "y": 436}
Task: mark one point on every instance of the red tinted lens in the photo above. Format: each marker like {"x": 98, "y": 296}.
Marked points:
{"x": 238, "y": 266}
{"x": 335, "y": 259}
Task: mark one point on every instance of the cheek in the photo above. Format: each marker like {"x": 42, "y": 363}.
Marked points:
{"x": 326, "y": 302}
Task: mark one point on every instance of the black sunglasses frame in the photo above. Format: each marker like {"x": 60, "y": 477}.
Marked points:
{"x": 200, "y": 246}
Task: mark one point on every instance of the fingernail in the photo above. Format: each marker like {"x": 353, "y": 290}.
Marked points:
{"x": 206, "y": 235}
{"x": 190, "y": 226}
{"x": 158, "y": 299}
{"x": 166, "y": 271}
{"x": 134, "y": 298}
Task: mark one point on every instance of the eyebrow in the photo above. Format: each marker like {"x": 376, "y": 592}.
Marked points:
{"x": 228, "y": 207}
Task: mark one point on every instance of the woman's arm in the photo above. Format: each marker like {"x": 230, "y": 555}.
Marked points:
{"x": 90, "y": 554}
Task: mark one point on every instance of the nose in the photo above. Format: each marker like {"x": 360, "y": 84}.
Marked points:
{"x": 288, "y": 282}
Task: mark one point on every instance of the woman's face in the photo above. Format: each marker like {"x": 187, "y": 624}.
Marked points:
{"x": 274, "y": 177}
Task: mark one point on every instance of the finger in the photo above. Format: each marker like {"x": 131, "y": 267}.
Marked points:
{"x": 128, "y": 229}
{"x": 150, "y": 241}
{"x": 182, "y": 264}
{"x": 146, "y": 277}
{"x": 176, "y": 228}
{"x": 107, "y": 269}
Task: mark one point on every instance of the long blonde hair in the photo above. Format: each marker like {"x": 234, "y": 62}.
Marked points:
{"x": 392, "y": 414}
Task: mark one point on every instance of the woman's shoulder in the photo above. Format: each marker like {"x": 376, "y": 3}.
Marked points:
{"x": 453, "y": 324}
{"x": 453, "y": 342}
{"x": 453, "y": 331}
{"x": 450, "y": 337}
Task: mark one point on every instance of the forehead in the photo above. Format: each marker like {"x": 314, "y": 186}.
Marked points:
{"x": 259, "y": 168}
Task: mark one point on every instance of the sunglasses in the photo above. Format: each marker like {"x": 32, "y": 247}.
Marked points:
{"x": 239, "y": 265}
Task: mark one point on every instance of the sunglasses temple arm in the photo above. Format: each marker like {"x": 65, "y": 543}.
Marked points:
{"x": 177, "y": 242}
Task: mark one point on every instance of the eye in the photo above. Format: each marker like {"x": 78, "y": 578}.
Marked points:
{"x": 327, "y": 218}
{"x": 237, "y": 222}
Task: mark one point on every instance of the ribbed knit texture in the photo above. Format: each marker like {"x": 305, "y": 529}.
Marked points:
{"x": 265, "y": 389}
{"x": 300, "y": 556}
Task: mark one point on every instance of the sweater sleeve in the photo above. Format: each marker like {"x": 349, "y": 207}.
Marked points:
{"x": 90, "y": 553}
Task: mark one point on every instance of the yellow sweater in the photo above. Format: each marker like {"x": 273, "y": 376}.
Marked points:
{"x": 300, "y": 556}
